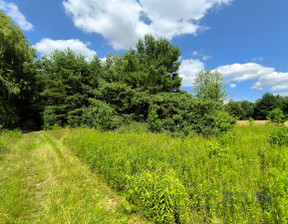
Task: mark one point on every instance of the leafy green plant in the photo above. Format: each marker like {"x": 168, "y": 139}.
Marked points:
{"x": 217, "y": 122}
{"x": 233, "y": 177}
{"x": 279, "y": 136}
{"x": 99, "y": 115}
{"x": 251, "y": 121}
{"x": 153, "y": 120}
{"x": 162, "y": 197}
{"x": 277, "y": 117}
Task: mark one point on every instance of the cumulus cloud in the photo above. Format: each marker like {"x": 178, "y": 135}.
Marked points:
{"x": 12, "y": 10}
{"x": 122, "y": 23}
{"x": 265, "y": 76}
{"x": 46, "y": 46}
{"x": 188, "y": 71}
{"x": 233, "y": 85}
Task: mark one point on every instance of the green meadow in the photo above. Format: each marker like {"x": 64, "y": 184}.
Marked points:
{"x": 90, "y": 176}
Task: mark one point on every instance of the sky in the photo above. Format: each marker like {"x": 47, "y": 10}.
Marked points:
{"x": 244, "y": 40}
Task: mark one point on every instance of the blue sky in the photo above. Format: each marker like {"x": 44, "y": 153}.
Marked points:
{"x": 245, "y": 40}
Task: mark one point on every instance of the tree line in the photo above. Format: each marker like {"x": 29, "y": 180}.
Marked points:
{"x": 259, "y": 110}
{"x": 139, "y": 88}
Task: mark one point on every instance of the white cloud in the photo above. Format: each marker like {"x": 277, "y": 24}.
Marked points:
{"x": 122, "y": 23}
{"x": 233, "y": 85}
{"x": 189, "y": 69}
{"x": 281, "y": 94}
{"x": 46, "y": 46}
{"x": 12, "y": 10}
{"x": 243, "y": 72}
{"x": 277, "y": 81}
{"x": 265, "y": 76}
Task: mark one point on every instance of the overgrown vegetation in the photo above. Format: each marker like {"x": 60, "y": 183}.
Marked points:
{"x": 41, "y": 181}
{"x": 237, "y": 177}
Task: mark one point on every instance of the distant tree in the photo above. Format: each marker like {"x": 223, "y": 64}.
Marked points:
{"x": 17, "y": 76}
{"x": 267, "y": 103}
{"x": 248, "y": 108}
{"x": 234, "y": 108}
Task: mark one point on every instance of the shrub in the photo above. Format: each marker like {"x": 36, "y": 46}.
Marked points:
{"x": 99, "y": 115}
{"x": 279, "y": 136}
{"x": 153, "y": 120}
{"x": 251, "y": 121}
{"x": 217, "y": 122}
{"x": 277, "y": 117}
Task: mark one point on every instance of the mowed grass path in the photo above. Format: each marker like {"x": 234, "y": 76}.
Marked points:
{"x": 41, "y": 181}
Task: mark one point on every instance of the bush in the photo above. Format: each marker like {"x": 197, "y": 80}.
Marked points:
{"x": 279, "y": 136}
{"x": 277, "y": 117}
{"x": 153, "y": 120}
{"x": 217, "y": 122}
{"x": 100, "y": 115}
{"x": 251, "y": 121}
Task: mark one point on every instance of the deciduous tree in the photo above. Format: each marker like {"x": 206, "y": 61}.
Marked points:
{"x": 17, "y": 75}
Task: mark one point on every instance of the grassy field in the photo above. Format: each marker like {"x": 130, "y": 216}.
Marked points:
{"x": 41, "y": 181}
{"x": 71, "y": 176}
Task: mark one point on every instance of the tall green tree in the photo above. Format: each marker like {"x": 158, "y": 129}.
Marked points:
{"x": 67, "y": 87}
{"x": 209, "y": 111}
{"x": 267, "y": 103}
{"x": 248, "y": 107}
{"x": 209, "y": 85}
{"x": 159, "y": 61}
{"x": 17, "y": 75}
{"x": 152, "y": 66}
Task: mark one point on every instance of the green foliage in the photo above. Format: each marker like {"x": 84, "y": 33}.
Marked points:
{"x": 236, "y": 177}
{"x": 99, "y": 115}
{"x": 277, "y": 117}
{"x": 251, "y": 121}
{"x": 159, "y": 61}
{"x": 2, "y": 146}
{"x": 153, "y": 120}
{"x": 217, "y": 122}
{"x": 12, "y": 133}
{"x": 235, "y": 109}
{"x": 49, "y": 119}
{"x": 142, "y": 85}
{"x": 17, "y": 75}
{"x": 162, "y": 197}
{"x": 267, "y": 103}
{"x": 209, "y": 85}
{"x": 279, "y": 136}
{"x": 66, "y": 87}
{"x": 248, "y": 108}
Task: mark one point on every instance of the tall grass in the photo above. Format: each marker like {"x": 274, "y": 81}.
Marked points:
{"x": 41, "y": 181}
{"x": 236, "y": 178}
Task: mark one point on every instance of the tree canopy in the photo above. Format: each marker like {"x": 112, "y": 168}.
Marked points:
{"x": 17, "y": 74}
